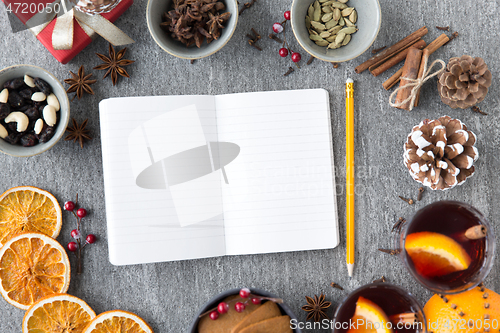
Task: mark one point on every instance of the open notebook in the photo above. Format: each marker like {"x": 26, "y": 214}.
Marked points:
{"x": 201, "y": 176}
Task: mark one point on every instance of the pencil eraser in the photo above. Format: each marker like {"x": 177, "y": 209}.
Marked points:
{"x": 349, "y": 81}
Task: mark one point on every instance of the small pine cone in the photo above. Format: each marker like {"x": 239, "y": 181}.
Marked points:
{"x": 464, "y": 82}
{"x": 96, "y": 6}
{"x": 440, "y": 153}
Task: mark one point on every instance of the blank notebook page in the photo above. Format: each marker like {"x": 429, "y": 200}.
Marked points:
{"x": 280, "y": 194}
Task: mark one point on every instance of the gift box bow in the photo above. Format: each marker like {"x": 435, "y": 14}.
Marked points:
{"x": 62, "y": 36}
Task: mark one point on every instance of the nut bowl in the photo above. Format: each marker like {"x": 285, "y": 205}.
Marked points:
{"x": 285, "y": 310}
{"x": 154, "y": 12}
{"x": 368, "y": 23}
{"x": 18, "y": 71}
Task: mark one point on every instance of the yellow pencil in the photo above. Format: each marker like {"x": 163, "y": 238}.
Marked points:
{"x": 349, "y": 115}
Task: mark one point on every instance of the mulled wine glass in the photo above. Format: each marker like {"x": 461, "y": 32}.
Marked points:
{"x": 379, "y": 306}
{"x": 448, "y": 247}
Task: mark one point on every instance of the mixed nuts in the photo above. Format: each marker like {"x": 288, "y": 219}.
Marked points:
{"x": 331, "y": 23}
{"x": 28, "y": 111}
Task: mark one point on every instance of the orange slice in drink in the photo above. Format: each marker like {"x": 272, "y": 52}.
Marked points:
{"x": 434, "y": 254}
{"x": 28, "y": 209}
{"x": 369, "y": 318}
{"x": 32, "y": 266}
{"x": 118, "y": 321}
{"x": 59, "y": 313}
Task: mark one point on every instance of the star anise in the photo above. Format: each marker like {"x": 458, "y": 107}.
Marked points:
{"x": 80, "y": 83}
{"x": 316, "y": 307}
{"x": 78, "y": 132}
{"x": 114, "y": 64}
{"x": 216, "y": 23}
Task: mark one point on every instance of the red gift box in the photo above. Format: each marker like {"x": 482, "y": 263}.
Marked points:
{"x": 80, "y": 38}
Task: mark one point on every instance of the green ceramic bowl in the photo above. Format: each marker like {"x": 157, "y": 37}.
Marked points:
{"x": 154, "y": 12}
{"x": 369, "y": 19}
{"x": 58, "y": 89}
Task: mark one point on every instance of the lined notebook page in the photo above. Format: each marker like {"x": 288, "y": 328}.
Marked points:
{"x": 281, "y": 191}
{"x": 148, "y": 219}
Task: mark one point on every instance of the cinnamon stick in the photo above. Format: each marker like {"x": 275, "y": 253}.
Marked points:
{"x": 432, "y": 47}
{"x": 390, "y": 51}
{"x": 376, "y": 70}
{"x": 410, "y": 71}
{"x": 425, "y": 58}
{"x": 393, "y": 80}
{"x": 409, "y": 318}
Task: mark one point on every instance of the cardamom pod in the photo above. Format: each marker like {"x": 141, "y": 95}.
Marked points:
{"x": 354, "y": 16}
{"x": 322, "y": 43}
{"x": 347, "y": 39}
{"x": 333, "y": 46}
{"x": 343, "y": 1}
{"x": 335, "y": 29}
{"x": 341, "y": 21}
{"x": 331, "y": 39}
{"x": 348, "y": 23}
{"x": 340, "y": 38}
{"x": 347, "y": 11}
{"x": 328, "y": 3}
{"x": 348, "y": 30}
{"x": 326, "y": 17}
{"x": 330, "y": 24}
{"x": 308, "y": 22}
{"x": 312, "y": 32}
{"x": 315, "y": 38}
{"x": 310, "y": 11}
{"x": 317, "y": 11}
{"x": 321, "y": 1}
{"x": 327, "y": 9}
{"x": 339, "y": 5}
{"x": 318, "y": 26}
{"x": 324, "y": 34}
{"x": 336, "y": 14}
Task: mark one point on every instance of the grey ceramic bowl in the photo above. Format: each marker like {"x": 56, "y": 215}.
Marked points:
{"x": 369, "y": 19}
{"x": 58, "y": 89}
{"x": 285, "y": 310}
{"x": 154, "y": 12}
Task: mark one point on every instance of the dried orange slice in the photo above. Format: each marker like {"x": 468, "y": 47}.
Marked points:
{"x": 369, "y": 318}
{"x": 28, "y": 209}
{"x": 435, "y": 254}
{"x": 59, "y": 313}
{"x": 118, "y": 321}
{"x": 32, "y": 266}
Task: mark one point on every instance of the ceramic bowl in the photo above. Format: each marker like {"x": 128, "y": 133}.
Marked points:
{"x": 285, "y": 310}
{"x": 16, "y": 71}
{"x": 154, "y": 12}
{"x": 368, "y": 23}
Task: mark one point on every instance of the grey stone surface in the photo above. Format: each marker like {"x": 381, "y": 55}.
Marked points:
{"x": 167, "y": 295}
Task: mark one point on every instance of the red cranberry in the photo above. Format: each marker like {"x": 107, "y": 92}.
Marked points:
{"x": 277, "y": 27}
{"x": 283, "y": 52}
{"x": 287, "y": 15}
{"x": 69, "y": 205}
{"x": 239, "y": 307}
{"x": 81, "y": 213}
{"x": 75, "y": 234}
{"x": 244, "y": 293}
{"x": 222, "y": 307}
{"x": 214, "y": 315}
{"x": 72, "y": 246}
{"x": 296, "y": 57}
{"x": 90, "y": 239}
{"x": 256, "y": 300}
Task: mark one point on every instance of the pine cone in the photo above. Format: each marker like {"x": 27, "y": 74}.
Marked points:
{"x": 440, "y": 153}
{"x": 96, "y": 6}
{"x": 464, "y": 82}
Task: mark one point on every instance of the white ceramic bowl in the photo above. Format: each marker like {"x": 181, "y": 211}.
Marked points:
{"x": 368, "y": 23}
{"x": 154, "y": 12}
{"x": 17, "y": 71}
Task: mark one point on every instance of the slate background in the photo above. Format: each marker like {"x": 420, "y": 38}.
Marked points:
{"x": 167, "y": 295}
